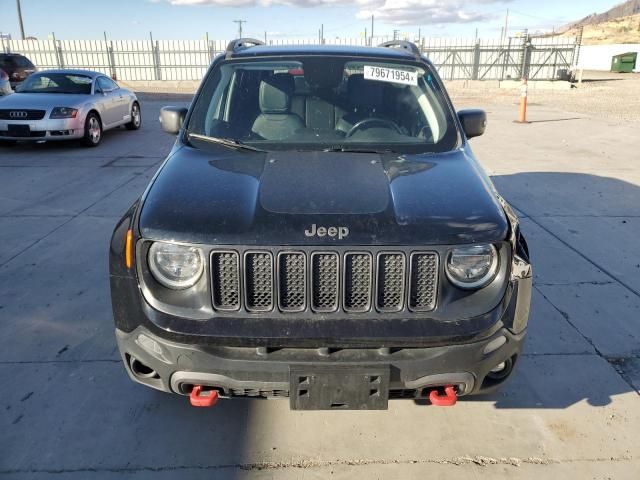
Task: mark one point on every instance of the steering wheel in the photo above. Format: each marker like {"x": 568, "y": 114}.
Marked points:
{"x": 369, "y": 121}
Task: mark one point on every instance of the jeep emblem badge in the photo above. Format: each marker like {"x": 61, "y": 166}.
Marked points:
{"x": 315, "y": 231}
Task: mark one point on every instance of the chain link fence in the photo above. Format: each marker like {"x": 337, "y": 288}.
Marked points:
{"x": 476, "y": 59}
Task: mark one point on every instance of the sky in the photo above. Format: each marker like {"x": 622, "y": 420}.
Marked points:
{"x": 287, "y": 19}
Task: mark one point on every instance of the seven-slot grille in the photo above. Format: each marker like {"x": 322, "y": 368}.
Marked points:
{"x": 324, "y": 281}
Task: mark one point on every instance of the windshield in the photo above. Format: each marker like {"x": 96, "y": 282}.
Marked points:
{"x": 57, "y": 83}
{"x": 321, "y": 103}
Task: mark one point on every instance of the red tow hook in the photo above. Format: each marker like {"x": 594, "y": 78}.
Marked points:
{"x": 447, "y": 400}
{"x": 203, "y": 398}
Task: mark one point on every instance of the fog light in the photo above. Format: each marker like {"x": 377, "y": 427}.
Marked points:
{"x": 498, "y": 368}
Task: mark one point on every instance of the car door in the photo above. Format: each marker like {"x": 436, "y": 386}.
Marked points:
{"x": 108, "y": 100}
{"x": 121, "y": 101}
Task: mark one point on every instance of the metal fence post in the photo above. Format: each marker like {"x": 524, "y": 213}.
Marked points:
{"x": 210, "y": 49}
{"x": 155, "y": 56}
{"x": 108, "y": 45}
{"x": 526, "y": 57}
{"x": 576, "y": 49}
{"x": 476, "y": 61}
{"x": 58, "y": 50}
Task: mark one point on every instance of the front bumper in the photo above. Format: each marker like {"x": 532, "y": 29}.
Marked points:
{"x": 260, "y": 372}
{"x": 45, "y": 129}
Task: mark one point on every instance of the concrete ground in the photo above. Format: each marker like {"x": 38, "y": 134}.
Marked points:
{"x": 68, "y": 410}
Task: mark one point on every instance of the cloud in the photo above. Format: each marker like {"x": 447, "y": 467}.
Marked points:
{"x": 427, "y": 12}
{"x": 395, "y": 12}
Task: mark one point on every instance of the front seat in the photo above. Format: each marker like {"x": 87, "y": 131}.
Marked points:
{"x": 276, "y": 122}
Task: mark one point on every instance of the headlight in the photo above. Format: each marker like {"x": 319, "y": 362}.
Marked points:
{"x": 63, "y": 112}
{"x": 175, "y": 266}
{"x": 473, "y": 266}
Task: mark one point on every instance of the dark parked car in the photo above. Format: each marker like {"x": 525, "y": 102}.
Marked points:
{"x": 17, "y": 67}
{"x": 321, "y": 231}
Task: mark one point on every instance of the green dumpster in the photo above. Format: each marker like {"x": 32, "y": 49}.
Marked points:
{"x": 624, "y": 63}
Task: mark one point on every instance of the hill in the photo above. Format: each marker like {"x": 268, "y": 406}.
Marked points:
{"x": 620, "y": 24}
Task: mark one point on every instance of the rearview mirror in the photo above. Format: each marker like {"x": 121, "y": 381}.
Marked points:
{"x": 474, "y": 122}
{"x": 172, "y": 118}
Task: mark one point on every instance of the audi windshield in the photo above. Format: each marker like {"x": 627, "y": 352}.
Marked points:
{"x": 324, "y": 104}
{"x": 57, "y": 83}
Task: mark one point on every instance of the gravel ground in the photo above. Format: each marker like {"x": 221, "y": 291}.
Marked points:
{"x": 612, "y": 97}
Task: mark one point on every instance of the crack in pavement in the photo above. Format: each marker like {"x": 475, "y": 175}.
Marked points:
{"x": 584, "y": 257}
{"x": 590, "y": 341}
{"x": 477, "y": 460}
{"x": 73, "y": 217}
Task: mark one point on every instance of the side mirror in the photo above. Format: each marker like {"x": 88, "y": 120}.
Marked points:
{"x": 172, "y": 118}
{"x": 474, "y": 122}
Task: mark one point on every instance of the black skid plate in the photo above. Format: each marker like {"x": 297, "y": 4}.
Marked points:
{"x": 339, "y": 388}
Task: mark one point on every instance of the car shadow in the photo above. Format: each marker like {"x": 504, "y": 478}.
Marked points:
{"x": 576, "y": 349}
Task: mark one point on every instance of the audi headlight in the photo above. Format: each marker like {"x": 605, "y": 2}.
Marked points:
{"x": 64, "y": 112}
{"x": 473, "y": 266}
{"x": 175, "y": 266}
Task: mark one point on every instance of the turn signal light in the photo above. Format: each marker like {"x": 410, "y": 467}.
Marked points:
{"x": 128, "y": 252}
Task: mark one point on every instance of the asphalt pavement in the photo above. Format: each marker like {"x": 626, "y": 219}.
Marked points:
{"x": 69, "y": 411}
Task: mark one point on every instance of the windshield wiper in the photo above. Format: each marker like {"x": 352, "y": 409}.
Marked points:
{"x": 357, "y": 150}
{"x": 225, "y": 142}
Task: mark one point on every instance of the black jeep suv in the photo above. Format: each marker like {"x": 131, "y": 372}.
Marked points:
{"x": 321, "y": 231}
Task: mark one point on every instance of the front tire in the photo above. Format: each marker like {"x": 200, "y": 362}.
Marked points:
{"x": 136, "y": 117}
{"x": 92, "y": 130}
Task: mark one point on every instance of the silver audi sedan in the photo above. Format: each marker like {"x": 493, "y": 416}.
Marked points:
{"x": 67, "y": 104}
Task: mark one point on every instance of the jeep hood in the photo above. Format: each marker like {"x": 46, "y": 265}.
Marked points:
{"x": 226, "y": 197}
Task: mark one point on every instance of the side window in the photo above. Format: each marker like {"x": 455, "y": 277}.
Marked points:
{"x": 104, "y": 85}
{"x": 111, "y": 85}
{"x": 23, "y": 62}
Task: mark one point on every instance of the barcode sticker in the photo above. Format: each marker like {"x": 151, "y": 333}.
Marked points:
{"x": 391, "y": 75}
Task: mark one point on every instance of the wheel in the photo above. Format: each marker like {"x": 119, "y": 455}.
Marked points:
{"x": 8, "y": 143}
{"x": 92, "y": 130}
{"x": 136, "y": 117}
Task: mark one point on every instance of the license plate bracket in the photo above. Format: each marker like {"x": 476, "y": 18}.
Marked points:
{"x": 18, "y": 130}
{"x": 339, "y": 388}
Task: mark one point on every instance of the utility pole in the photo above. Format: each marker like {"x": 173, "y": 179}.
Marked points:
{"x": 20, "y": 19}
{"x": 322, "y": 34}
{"x": 239, "y": 22}
{"x": 372, "y": 30}
{"x": 506, "y": 25}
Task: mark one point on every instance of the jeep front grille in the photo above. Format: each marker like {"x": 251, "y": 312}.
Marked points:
{"x": 259, "y": 281}
{"x": 225, "y": 272}
{"x": 357, "y": 282}
{"x": 391, "y": 280}
{"x": 290, "y": 281}
{"x": 324, "y": 281}
{"x": 424, "y": 271}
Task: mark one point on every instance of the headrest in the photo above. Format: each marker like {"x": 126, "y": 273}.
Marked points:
{"x": 363, "y": 93}
{"x": 275, "y": 93}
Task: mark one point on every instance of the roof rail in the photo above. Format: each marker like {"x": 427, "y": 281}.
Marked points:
{"x": 238, "y": 44}
{"x": 404, "y": 44}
